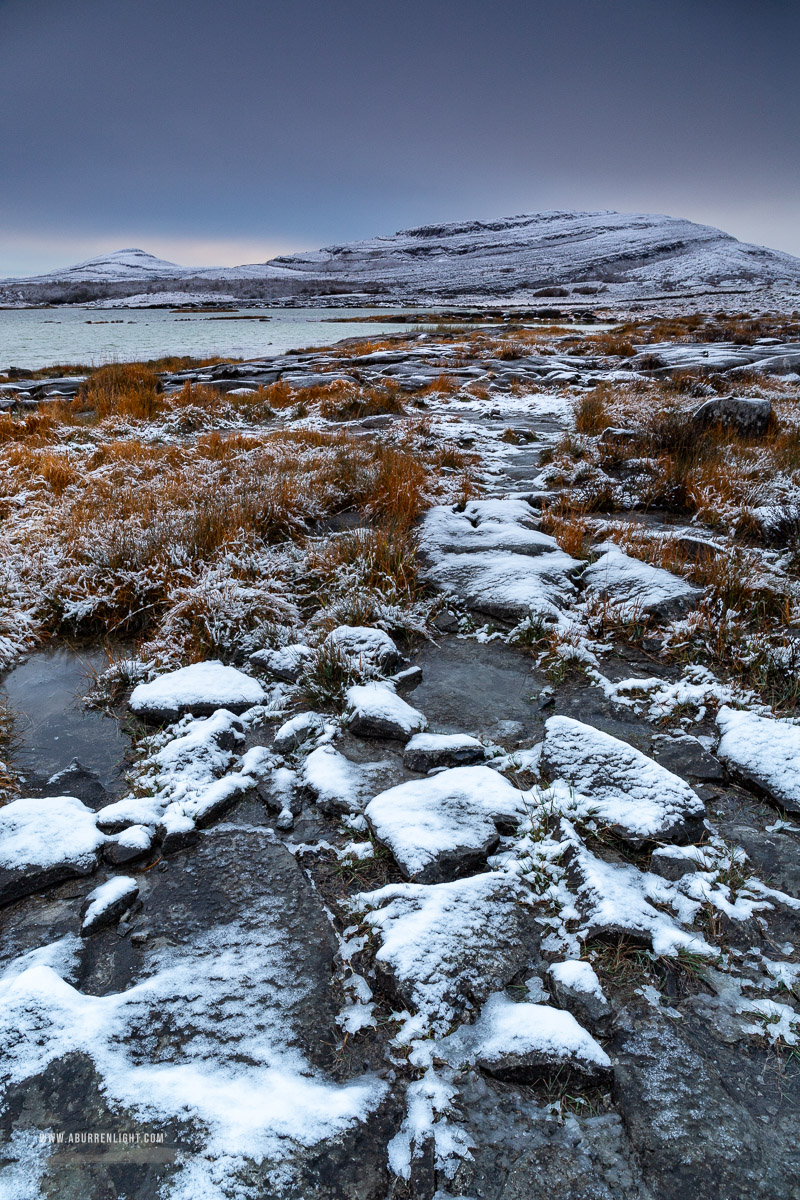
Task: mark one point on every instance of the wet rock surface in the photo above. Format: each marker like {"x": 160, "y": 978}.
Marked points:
{"x": 556, "y": 1001}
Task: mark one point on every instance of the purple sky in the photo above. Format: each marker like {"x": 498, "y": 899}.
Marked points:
{"x": 218, "y": 133}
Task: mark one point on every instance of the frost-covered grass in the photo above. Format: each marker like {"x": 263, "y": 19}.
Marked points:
{"x": 196, "y": 522}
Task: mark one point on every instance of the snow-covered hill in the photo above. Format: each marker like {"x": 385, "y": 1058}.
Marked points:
{"x": 630, "y": 254}
{"x": 619, "y": 256}
{"x": 121, "y": 265}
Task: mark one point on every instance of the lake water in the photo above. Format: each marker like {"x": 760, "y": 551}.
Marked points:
{"x": 32, "y": 338}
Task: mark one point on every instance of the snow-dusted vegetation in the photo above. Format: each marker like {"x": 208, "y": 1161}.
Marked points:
{"x": 455, "y": 854}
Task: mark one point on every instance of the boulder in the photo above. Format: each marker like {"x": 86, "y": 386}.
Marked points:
{"x": 747, "y": 415}
{"x": 371, "y": 651}
{"x": 285, "y": 663}
{"x": 524, "y": 1042}
{"x": 763, "y": 753}
{"x": 639, "y": 799}
{"x": 445, "y": 825}
{"x": 636, "y": 589}
{"x": 445, "y": 948}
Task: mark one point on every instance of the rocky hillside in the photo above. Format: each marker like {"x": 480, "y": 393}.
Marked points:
{"x": 618, "y": 257}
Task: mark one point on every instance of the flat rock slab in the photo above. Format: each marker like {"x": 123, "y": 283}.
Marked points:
{"x": 525, "y": 1042}
{"x": 219, "y": 1006}
{"x": 199, "y": 689}
{"x": 510, "y": 586}
{"x": 482, "y": 688}
{"x": 493, "y": 559}
{"x": 375, "y": 710}
{"x": 44, "y": 841}
{"x": 484, "y": 525}
{"x": 445, "y": 948}
{"x": 762, "y": 752}
{"x": 639, "y": 799}
{"x": 446, "y": 824}
{"x": 636, "y": 589}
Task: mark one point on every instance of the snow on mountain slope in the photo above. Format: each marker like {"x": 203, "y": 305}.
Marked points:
{"x": 643, "y": 253}
{"x": 622, "y": 256}
{"x": 121, "y": 265}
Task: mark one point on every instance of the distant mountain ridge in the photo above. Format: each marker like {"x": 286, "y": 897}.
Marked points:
{"x": 621, "y": 256}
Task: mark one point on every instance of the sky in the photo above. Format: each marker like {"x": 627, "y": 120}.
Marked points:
{"x": 216, "y": 133}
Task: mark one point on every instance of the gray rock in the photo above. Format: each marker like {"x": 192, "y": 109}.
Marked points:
{"x": 576, "y": 987}
{"x": 443, "y": 949}
{"x": 670, "y": 863}
{"x": 748, "y": 415}
{"x": 426, "y": 751}
{"x": 405, "y": 681}
{"x": 77, "y": 780}
{"x": 685, "y": 756}
{"x": 106, "y": 904}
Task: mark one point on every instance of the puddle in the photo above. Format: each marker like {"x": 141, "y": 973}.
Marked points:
{"x": 52, "y": 724}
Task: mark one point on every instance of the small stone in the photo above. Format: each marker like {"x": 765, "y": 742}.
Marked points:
{"x": 427, "y": 751}
{"x": 577, "y": 988}
{"x": 106, "y": 904}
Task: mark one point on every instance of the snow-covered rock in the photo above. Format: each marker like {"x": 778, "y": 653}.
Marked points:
{"x": 762, "y": 752}
{"x": 484, "y": 525}
{"x": 446, "y": 824}
{"x": 286, "y": 663}
{"x": 45, "y": 841}
{"x": 445, "y": 948}
{"x": 577, "y": 988}
{"x": 639, "y": 799}
{"x": 427, "y": 751}
{"x": 618, "y": 899}
{"x": 635, "y": 588}
{"x": 129, "y": 844}
{"x": 302, "y": 728}
{"x": 370, "y": 650}
{"x": 375, "y": 710}
{"x": 748, "y": 415}
{"x": 523, "y": 1041}
{"x": 492, "y": 559}
{"x": 199, "y": 689}
{"x": 338, "y": 785}
{"x": 106, "y": 904}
